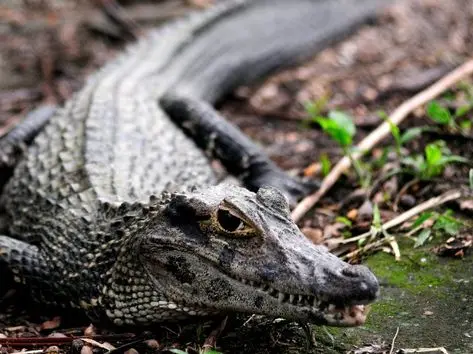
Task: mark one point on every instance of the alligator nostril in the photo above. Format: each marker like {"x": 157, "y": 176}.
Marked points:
{"x": 351, "y": 271}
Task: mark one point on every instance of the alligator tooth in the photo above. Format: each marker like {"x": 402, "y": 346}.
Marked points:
{"x": 314, "y": 302}
{"x": 244, "y": 281}
{"x": 291, "y": 298}
{"x": 252, "y": 282}
{"x": 281, "y": 298}
{"x": 300, "y": 298}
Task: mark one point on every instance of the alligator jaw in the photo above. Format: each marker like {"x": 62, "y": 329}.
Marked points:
{"x": 348, "y": 316}
{"x": 340, "y": 315}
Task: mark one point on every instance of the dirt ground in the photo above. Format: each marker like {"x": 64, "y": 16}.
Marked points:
{"x": 50, "y": 46}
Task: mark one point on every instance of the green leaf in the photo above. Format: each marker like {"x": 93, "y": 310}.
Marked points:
{"x": 212, "y": 351}
{"x": 422, "y": 237}
{"x": 434, "y": 161}
{"x": 337, "y": 132}
{"x": 376, "y": 217}
{"x": 438, "y": 113}
{"x": 466, "y": 125}
{"x": 415, "y": 162}
{"x": 454, "y": 158}
{"x": 395, "y": 132}
{"x": 448, "y": 223}
{"x": 462, "y": 110}
{"x": 433, "y": 154}
{"x": 411, "y": 134}
{"x": 177, "y": 351}
{"x": 344, "y": 220}
{"x": 325, "y": 163}
{"x": 343, "y": 120}
{"x": 422, "y": 218}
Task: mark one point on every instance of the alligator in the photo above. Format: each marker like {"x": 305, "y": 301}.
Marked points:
{"x": 114, "y": 207}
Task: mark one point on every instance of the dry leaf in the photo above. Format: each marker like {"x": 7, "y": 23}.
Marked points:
{"x": 315, "y": 235}
{"x": 51, "y": 324}
{"x": 90, "y": 331}
{"x": 104, "y": 345}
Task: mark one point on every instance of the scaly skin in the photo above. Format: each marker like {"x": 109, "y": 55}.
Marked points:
{"x": 92, "y": 224}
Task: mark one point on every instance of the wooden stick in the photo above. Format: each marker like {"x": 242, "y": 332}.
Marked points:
{"x": 381, "y": 132}
{"x": 394, "y": 341}
{"x": 428, "y": 204}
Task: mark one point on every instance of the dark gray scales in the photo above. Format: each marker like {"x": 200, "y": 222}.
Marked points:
{"x": 114, "y": 208}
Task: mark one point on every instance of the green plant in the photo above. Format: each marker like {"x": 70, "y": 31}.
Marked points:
{"x": 339, "y": 126}
{"x": 402, "y": 138}
{"x": 395, "y": 131}
{"x": 325, "y": 164}
{"x": 432, "y": 164}
{"x": 441, "y": 115}
{"x": 444, "y": 223}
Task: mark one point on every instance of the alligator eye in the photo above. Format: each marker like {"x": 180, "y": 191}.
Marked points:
{"x": 228, "y": 221}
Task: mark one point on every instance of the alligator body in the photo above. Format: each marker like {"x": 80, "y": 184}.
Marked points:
{"x": 115, "y": 208}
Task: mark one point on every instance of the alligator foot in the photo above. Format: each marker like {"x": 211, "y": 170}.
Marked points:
{"x": 14, "y": 143}
{"x": 17, "y": 260}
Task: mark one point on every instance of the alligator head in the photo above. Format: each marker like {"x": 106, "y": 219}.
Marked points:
{"x": 227, "y": 249}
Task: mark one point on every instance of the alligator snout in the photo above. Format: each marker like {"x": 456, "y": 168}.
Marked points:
{"x": 351, "y": 284}
{"x": 367, "y": 282}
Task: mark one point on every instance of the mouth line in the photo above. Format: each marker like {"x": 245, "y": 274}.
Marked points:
{"x": 352, "y": 314}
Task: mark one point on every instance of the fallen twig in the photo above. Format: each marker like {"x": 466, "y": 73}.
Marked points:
{"x": 394, "y": 341}
{"x": 369, "y": 247}
{"x": 428, "y": 204}
{"x": 211, "y": 340}
{"x": 424, "y": 350}
{"x": 24, "y": 342}
{"x": 381, "y": 132}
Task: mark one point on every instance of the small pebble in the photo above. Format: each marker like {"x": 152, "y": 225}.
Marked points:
{"x": 52, "y": 350}
{"x": 76, "y": 346}
{"x": 366, "y": 210}
{"x": 407, "y": 201}
{"x": 152, "y": 344}
{"x": 131, "y": 351}
{"x": 86, "y": 350}
{"x": 352, "y": 214}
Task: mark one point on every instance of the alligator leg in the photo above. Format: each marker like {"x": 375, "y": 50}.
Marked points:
{"x": 13, "y": 144}
{"x": 222, "y": 140}
{"x": 20, "y": 260}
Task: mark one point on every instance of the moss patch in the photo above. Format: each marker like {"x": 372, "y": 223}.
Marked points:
{"x": 428, "y": 298}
